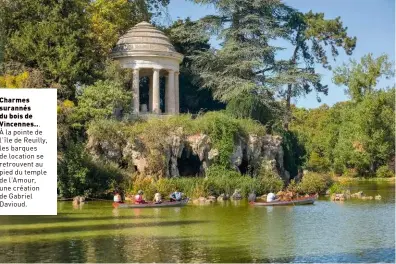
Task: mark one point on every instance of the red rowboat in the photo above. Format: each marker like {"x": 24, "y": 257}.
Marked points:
{"x": 298, "y": 201}
{"x": 151, "y": 204}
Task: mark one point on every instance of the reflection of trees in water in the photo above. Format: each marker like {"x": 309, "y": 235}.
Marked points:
{"x": 197, "y": 234}
{"x": 70, "y": 251}
{"x": 166, "y": 249}
{"x": 269, "y": 230}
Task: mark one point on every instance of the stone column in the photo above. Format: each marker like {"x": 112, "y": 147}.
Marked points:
{"x": 135, "y": 91}
{"x": 166, "y": 93}
{"x": 171, "y": 92}
{"x": 156, "y": 92}
{"x": 150, "y": 106}
{"x": 177, "y": 94}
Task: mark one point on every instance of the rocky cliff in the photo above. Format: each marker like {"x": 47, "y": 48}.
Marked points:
{"x": 180, "y": 154}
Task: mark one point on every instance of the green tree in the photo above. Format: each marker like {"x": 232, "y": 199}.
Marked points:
{"x": 50, "y": 36}
{"x": 250, "y": 106}
{"x": 350, "y": 137}
{"x": 72, "y": 171}
{"x": 2, "y": 30}
{"x": 188, "y": 37}
{"x": 361, "y": 78}
{"x": 101, "y": 100}
{"x": 366, "y": 134}
{"x": 245, "y": 62}
{"x": 311, "y": 34}
{"x": 110, "y": 19}
{"x": 67, "y": 41}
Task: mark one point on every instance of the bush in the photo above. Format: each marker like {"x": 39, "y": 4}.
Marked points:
{"x": 336, "y": 188}
{"x": 72, "y": 171}
{"x": 293, "y": 187}
{"x": 269, "y": 182}
{"x": 350, "y": 173}
{"x": 146, "y": 184}
{"x": 219, "y": 180}
{"x": 99, "y": 101}
{"x": 221, "y": 129}
{"x": 78, "y": 174}
{"x": 315, "y": 183}
{"x": 384, "y": 172}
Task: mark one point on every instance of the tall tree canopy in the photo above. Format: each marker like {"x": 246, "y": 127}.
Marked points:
{"x": 109, "y": 19}
{"x": 245, "y": 62}
{"x": 354, "y": 136}
{"x": 50, "y": 36}
{"x": 312, "y": 37}
{"x": 188, "y": 38}
{"x": 361, "y": 78}
{"x": 67, "y": 41}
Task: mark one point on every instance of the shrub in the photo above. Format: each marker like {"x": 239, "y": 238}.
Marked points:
{"x": 72, "y": 171}
{"x": 146, "y": 184}
{"x": 351, "y": 173}
{"x": 270, "y": 183}
{"x": 78, "y": 174}
{"x": 219, "y": 180}
{"x": 315, "y": 183}
{"x": 336, "y": 188}
{"x": 100, "y": 100}
{"x": 384, "y": 172}
{"x": 293, "y": 187}
{"x": 223, "y": 180}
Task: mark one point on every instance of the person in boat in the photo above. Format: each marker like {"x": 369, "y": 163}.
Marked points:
{"x": 117, "y": 197}
{"x": 139, "y": 198}
{"x": 157, "y": 198}
{"x": 271, "y": 197}
{"x": 176, "y": 196}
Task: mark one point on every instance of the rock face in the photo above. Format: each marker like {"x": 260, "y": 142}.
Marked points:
{"x": 222, "y": 197}
{"x": 338, "y": 197}
{"x": 252, "y": 197}
{"x": 78, "y": 200}
{"x": 236, "y": 195}
{"x": 346, "y": 195}
{"x": 249, "y": 154}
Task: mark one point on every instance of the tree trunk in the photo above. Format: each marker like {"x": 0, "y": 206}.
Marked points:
{"x": 288, "y": 107}
{"x": 289, "y": 95}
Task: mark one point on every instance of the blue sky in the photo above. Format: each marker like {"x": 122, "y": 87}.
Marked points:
{"x": 371, "y": 21}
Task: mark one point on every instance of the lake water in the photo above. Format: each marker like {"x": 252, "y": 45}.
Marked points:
{"x": 351, "y": 231}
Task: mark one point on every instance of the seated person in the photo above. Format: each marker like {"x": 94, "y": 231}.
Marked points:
{"x": 139, "y": 198}
{"x": 271, "y": 197}
{"x": 117, "y": 198}
{"x": 176, "y": 196}
{"x": 157, "y": 198}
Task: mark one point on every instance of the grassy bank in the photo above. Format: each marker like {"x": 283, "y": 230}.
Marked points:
{"x": 357, "y": 179}
{"x": 219, "y": 180}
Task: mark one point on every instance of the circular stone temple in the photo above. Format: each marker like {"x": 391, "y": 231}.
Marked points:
{"x": 149, "y": 53}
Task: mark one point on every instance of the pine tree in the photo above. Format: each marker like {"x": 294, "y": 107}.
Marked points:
{"x": 311, "y": 35}
{"x": 246, "y": 61}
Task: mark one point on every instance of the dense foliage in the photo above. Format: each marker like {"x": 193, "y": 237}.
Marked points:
{"x": 65, "y": 45}
{"x": 67, "y": 41}
{"x": 349, "y": 138}
{"x": 188, "y": 38}
{"x": 220, "y": 127}
{"x": 219, "y": 181}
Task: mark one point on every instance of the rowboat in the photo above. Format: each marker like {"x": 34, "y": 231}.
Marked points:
{"x": 151, "y": 204}
{"x": 298, "y": 201}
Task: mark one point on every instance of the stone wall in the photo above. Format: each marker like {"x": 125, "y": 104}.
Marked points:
{"x": 251, "y": 152}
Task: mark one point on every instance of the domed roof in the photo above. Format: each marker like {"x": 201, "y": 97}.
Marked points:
{"x": 144, "y": 40}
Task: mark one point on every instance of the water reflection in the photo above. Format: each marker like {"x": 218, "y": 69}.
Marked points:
{"x": 227, "y": 232}
{"x": 116, "y": 212}
{"x": 137, "y": 211}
